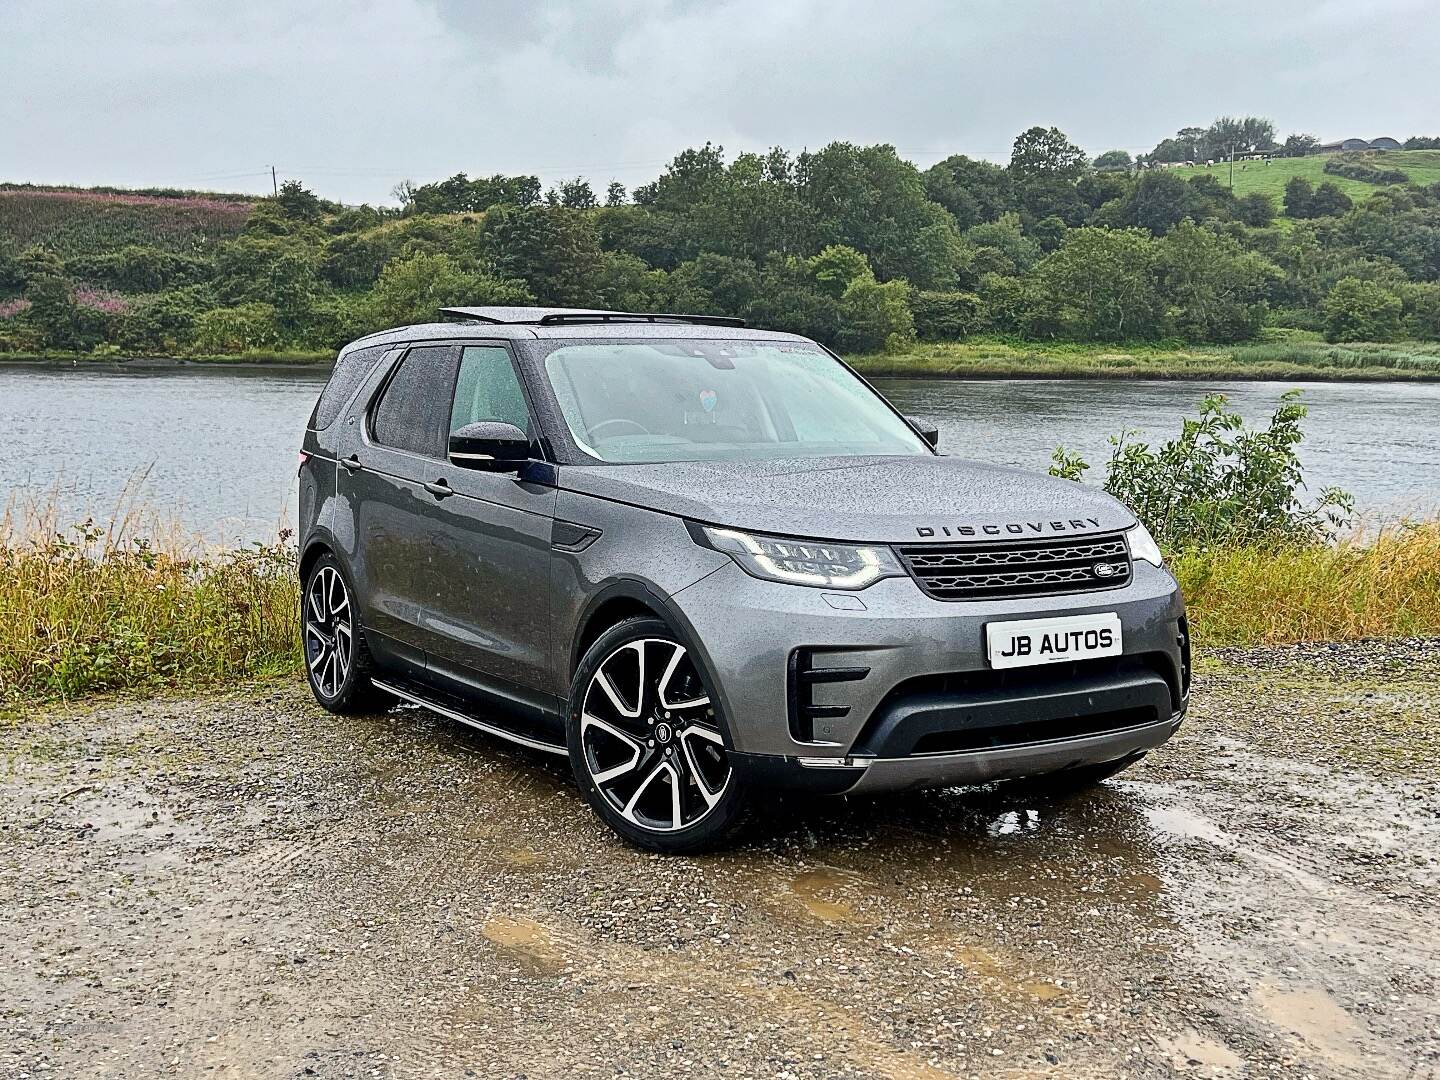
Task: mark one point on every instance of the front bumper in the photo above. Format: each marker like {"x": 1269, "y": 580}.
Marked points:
{"x": 887, "y": 688}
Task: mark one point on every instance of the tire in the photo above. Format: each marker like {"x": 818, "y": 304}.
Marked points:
{"x": 338, "y": 665}
{"x": 1068, "y": 782}
{"x": 658, "y": 776}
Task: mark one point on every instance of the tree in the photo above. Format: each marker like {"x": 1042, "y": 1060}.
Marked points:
{"x": 945, "y": 316}
{"x": 868, "y": 198}
{"x": 404, "y": 193}
{"x": 1329, "y": 201}
{"x": 615, "y": 194}
{"x": 1215, "y": 290}
{"x": 1113, "y": 160}
{"x": 576, "y": 195}
{"x": 414, "y": 290}
{"x": 1299, "y": 144}
{"x": 299, "y": 203}
{"x": 1255, "y": 209}
{"x": 554, "y": 251}
{"x": 973, "y": 191}
{"x": 837, "y": 267}
{"x": 1045, "y": 153}
{"x": 1158, "y": 202}
{"x": 1099, "y": 286}
{"x": 875, "y": 315}
{"x": 1299, "y": 192}
{"x": 1002, "y": 247}
{"x": 1358, "y": 310}
{"x": 1230, "y": 135}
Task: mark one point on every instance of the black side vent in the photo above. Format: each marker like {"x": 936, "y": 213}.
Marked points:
{"x": 804, "y": 677}
{"x": 1183, "y": 640}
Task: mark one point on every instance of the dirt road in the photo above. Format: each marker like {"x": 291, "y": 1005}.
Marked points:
{"x": 244, "y": 885}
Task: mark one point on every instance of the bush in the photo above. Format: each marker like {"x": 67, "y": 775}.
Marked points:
{"x": 1302, "y": 200}
{"x": 875, "y": 315}
{"x": 1422, "y": 310}
{"x": 1256, "y": 209}
{"x": 946, "y": 316}
{"x": 1358, "y": 310}
{"x": 414, "y": 290}
{"x": 1216, "y": 290}
{"x": 1099, "y": 286}
{"x": 1354, "y": 169}
{"x": 1218, "y": 484}
{"x": 242, "y": 329}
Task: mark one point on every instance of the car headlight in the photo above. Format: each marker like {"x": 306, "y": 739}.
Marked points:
{"x": 817, "y": 563}
{"x": 1143, "y": 546}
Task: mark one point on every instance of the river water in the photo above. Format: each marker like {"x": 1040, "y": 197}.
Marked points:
{"x": 215, "y": 449}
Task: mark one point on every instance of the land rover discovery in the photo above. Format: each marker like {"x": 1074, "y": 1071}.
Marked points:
{"x": 703, "y": 562}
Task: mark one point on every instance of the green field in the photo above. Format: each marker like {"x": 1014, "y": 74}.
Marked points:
{"x": 1422, "y": 166}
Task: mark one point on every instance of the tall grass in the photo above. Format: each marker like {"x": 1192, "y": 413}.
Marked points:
{"x": 91, "y": 610}
{"x": 95, "y": 610}
{"x": 1383, "y": 585}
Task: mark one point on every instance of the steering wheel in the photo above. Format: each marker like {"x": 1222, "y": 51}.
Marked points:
{"x": 594, "y": 432}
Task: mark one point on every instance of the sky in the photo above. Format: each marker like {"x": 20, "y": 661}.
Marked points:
{"x": 352, "y": 96}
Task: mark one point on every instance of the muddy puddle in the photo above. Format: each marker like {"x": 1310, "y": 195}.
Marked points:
{"x": 397, "y": 897}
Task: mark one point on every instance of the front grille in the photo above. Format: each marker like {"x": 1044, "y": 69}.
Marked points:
{"x": 1012, "y": 568}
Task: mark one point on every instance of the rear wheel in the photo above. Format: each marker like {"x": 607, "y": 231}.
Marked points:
{"x": 648, "y": 745}
{"x": 337, "y": 663}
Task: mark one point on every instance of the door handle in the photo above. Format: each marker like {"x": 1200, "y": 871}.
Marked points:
{"x": 352, "y": 463}
{"x": 440, "y": 489}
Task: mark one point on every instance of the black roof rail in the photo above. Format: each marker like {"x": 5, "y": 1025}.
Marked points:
{"x": 563, "y": 318}
{"x": 544, "y": 316}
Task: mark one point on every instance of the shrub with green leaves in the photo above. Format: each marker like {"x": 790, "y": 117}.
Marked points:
{"x": 1219, "y": 483}
{"x": 1358, "y": 310}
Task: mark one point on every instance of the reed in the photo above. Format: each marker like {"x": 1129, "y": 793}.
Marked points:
{"x": 89, "y": 609}
{"x": 1381, "y": 584}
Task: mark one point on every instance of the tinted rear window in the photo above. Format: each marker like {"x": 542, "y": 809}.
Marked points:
{"x": 350, "y": 371}
{"x": 414, "y": 410}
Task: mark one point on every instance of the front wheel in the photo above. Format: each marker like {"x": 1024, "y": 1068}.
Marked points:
{"x": 647, "y": 743}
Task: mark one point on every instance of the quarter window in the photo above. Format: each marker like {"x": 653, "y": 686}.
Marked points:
{"x": 412, "y": 411}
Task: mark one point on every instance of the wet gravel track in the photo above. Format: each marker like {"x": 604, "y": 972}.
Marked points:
{"x": 243, "y": 885}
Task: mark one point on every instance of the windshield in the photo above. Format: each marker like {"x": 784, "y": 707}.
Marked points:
{"x": 693, "y": 400}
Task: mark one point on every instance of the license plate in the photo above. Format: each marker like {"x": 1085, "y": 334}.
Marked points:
{"x": 1027, "y": 642}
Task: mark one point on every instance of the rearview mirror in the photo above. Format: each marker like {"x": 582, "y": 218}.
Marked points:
{"x": 926, "y": 429}
{"x": 490, "y": 445}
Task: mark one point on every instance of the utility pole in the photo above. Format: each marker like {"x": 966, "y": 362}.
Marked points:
{"x": 1232, "y": 165}
{"x": 275, "y": 184}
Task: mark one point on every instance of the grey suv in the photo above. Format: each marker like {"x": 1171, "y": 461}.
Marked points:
{"x": 704, "y": 562}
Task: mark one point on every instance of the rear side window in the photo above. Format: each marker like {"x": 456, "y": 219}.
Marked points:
{"x": 488, "y": 389}
{"x": 414, "y": 409}
{"x": 350, "y": 371}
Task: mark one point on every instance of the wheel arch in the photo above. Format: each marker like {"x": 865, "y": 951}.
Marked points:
{"x": 630, "y": 598}
{"x": 617, "y": 602}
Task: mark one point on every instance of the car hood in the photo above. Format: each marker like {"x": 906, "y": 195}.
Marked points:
{"x": 877, "y": 499}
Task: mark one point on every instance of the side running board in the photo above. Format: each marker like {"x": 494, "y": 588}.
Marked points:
{"x": 470, "y": 721}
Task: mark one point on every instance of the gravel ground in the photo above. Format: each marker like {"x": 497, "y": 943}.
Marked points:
{"x": 243, "y": 885}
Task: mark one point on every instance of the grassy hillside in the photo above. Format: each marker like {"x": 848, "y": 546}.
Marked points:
{"x": 1422, "y": 166}
{"x": 71, "y": 222}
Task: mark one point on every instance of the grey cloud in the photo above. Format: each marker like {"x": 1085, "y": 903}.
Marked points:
{"x": 352, "y": 96}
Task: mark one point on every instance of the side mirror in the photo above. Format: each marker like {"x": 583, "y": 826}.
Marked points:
{"x": 926, "y": 429}
{"x": 489, "y": 445}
